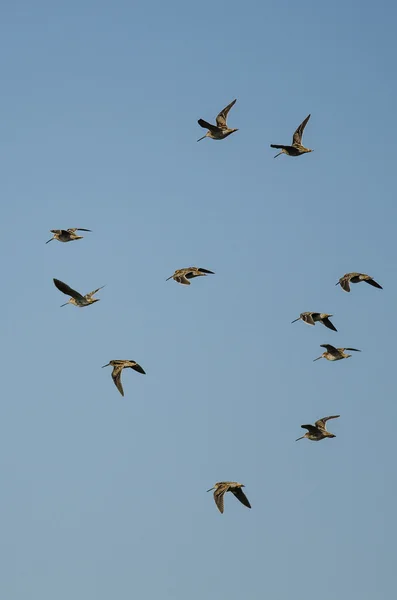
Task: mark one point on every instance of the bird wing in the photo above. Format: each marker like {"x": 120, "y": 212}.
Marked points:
{"x": 308, "y": 318}
{"x": 182, "y": 278}
{"x": 328, "y": 324}
{"x": 221, "y": 118}
{"x": 137, "y": 368}
{"x": 65, "y": 289}
{"x": 238, "y": 492}
{"x": 81, "y": 229}
{"x": 374, "y": 283}
{"x": 352, "y": 349}
{"x": 205, "y": 271}
{"x": 330, "y": 348}
{"x": 297, "y": 137}
{"x": 320, "y": 424}
{"x": 345, "y": 283}
{"x": 219, "y": 497}
{"x": 207, "y": 125}
{"x": 94, "y": 292}
{"x": 58, "y": 231}
{"x": 116, "y": 375}
{"x": 310, "y": 428}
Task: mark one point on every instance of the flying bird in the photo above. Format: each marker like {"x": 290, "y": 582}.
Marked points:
{"x": 349, "y": 278}
{"x": 296, "y": 148}
{"x": 76, "y": 298}
{"x": 66, "y": 235}
{"x": 220, "y": 130}
{"x": 183, "y": 275}
{"x": 318, "y": 431}
{"x": 229, "y": 486}
{"x": 118, "y": 366}
{"x": 311, "y": 318}
{"x": 333, "y": 353}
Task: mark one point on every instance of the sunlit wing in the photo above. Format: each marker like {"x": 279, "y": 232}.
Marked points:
{"x": 222, "y": 117}
{"x": 321, "y": 422}
{"x": 116, "y": 375}
{"x": 297, "y": 137}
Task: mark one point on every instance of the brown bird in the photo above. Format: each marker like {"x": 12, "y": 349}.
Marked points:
{"x": 318, "y": 431}
{"x": 311, "y": 318}
{"x": 118, "y": 366}
{"x": 66, "y": 235}
{"x": 229, "y": 486}
{"x": 333, "y": 353}
{"x": 76, "y": 298}
{"x": 183, "y": 275}
{"x": 349, "y": 278}
{"x": 296, "y": 148}
{"x": 220, "y": 130}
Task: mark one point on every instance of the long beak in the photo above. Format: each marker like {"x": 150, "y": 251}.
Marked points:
{"x": 317, "y": 358}
{"x": 301, "y": 438}
{"x": 50, "y": 240}
{"x": 337, "y": 283}
{"x": 277, "y": 155}
{"x": 171, "y": 275}
{"x": 298, "y": 319}
{"x": 64, "y": 304}
{"x": 106, "y": 365}
{"x": 204, "y": 136}
{"x": 210, "y": 489}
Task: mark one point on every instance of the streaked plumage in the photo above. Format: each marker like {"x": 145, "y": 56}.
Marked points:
{"x": 296, "y": 148}
{"x": 311, "y": 318}
{"x": 229, "y": 486}
{"x": 183, "y": 275}
{"x": 118, "y": 366}
{"x": 66, "y": 235}
{"x": 349, "y": 278}
{"x": 220, "y": 130}
{"x": 318, "y": 431}
{"x": 333, "y": 353}
{"x": 76, "y": 298}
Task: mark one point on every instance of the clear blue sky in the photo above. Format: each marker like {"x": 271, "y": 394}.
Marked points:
{"x": 103, "y": 496}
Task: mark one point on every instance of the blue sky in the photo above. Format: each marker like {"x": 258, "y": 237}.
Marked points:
{"x": 103, "y": 496}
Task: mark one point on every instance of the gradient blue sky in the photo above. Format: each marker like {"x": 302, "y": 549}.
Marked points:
{"x": 103, "y": 496}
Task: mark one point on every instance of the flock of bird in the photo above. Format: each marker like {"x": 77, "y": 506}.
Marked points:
{"x": 315, "y": 432}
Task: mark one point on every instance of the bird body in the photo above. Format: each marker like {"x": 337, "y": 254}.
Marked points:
{"x": 349, "y": 278}
{"x": 66, "y": 235}
{"x": 311, "y": 318}
{"x": 333, "y": 353}
{"x": 118, "y": 366}
{"x": 183, "y": 275}
{"x": 318, "y": 431}
{"x": 76, "y": 298}
{"x": 219, "y": 131}
{"x": 296, "y": 148}
{"x": 228, "y": 486}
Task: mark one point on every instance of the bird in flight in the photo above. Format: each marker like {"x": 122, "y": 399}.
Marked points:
{"x": 318, "y": 431}
{"x": 66, "y": 235}
{"x": 296, "y": 148}
{"x": 311, "y": 318}
{"x": 349, "y": 278}
{"x": 333, "y": 353}
{"x": 118, "y": 366}
{"x": 220, "y": 130}
{"x": 228, "y": 486}
{"x": 76, "y": 298}
{"x": 183, "y": 275}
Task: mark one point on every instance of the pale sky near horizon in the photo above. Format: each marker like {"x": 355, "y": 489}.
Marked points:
{"x": 104, "y": 496}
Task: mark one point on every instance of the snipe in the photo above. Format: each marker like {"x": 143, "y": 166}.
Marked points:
{"x": 229, "y": 486}
{"x": 220, "y": 130}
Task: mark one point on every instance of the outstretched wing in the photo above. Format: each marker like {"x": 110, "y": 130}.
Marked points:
{"x": 65, "y": 289}
{"x": 238, "y": 492}
{"x": 297, "y": 137}
{"x": 320, "y": 424}
{"x": 205, "y": 271}
{"x": 308, "y": 318}
{"x": 221, "y": 118}
{"x": 94, "y": 292}
{"x": 137, "y": 368}
{"x": 310, "y": 428}
{"x": 219, "y": 497}
{"x": 344, "y": 283}
{"x": 374, "y": 283}
{"x": 352, "y": 349}
{"x": 207, "y": 125}
{"x": 116, "y": 375}
{"x": 328, "y": 324}
{"x": 330, "y": 348}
